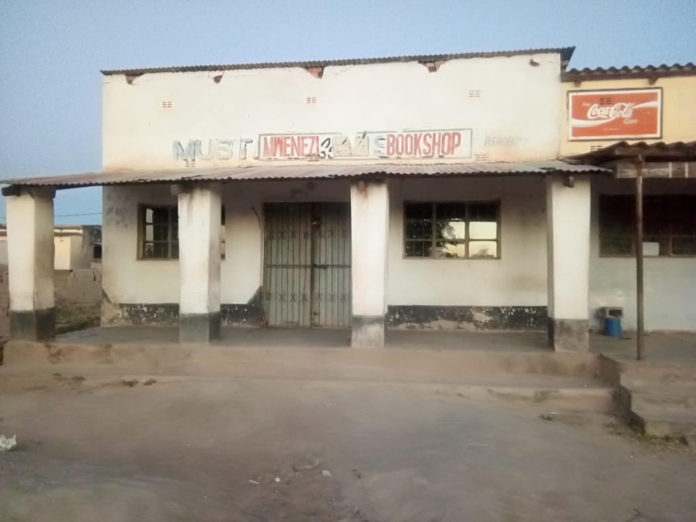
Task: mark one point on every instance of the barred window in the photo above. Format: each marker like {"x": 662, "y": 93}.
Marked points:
{"x": 464, "y": 230}
{"x": 669, "y": 225}
{"x": 159, "y": 232}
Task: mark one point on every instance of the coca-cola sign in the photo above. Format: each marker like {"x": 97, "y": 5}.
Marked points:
{"x": 615, "y": 114}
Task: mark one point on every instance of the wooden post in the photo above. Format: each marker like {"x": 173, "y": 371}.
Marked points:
{"x": 640, "y": 347}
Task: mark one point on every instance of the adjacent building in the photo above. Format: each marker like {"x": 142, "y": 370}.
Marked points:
{"x": 437, "y": 192}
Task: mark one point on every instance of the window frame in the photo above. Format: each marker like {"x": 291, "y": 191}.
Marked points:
{"x": 172, "y": 210}
{"x": 632, "y": 254}
{"x": 433, "y": 239}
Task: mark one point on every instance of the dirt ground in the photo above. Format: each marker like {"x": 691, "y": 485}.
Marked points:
{"x": 114, "y": 448}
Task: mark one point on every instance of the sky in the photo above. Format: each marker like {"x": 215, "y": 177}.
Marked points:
{"x": 51, "y": 52}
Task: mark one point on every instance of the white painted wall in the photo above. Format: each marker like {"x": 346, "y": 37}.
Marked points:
{"x": 670, "y": 283}
{"x": 369, "y": 206}
{"x": 518, "y": 278}
{"x": 568, "y": 223}
{"x": 30, "y": 251}
{"x": 497, "y": 98}
{"x": 199, "y": 249}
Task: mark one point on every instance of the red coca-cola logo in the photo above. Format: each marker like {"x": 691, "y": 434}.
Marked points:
{"x": 610, "y": 112}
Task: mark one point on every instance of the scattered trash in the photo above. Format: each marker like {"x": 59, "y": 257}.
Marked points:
{"x": 357, "y": 473}
{"x": 7, "y": 443}
{"x": 129, "y": 382}
{"x": 255, "y": 482}
{"x": 277, "y": 479}
{"x": 548, "y": 416}
{"x": 326, "y": 473}
{"x": 149, "y": 382}
{"x": 306, "y": 464}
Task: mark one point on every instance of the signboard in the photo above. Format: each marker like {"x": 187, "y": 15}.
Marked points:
{"x": 615, "y": 114}
{"x": 410, "y": 144}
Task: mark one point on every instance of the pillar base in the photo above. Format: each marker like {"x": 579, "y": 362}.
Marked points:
{"x": 368, "y": 331}
{"x": 33, "y": 325}
{"x": 199, "y": 328}
{"x": 569, "y": 334}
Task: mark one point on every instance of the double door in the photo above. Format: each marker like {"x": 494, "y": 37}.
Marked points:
{"x": 307, "y": 265}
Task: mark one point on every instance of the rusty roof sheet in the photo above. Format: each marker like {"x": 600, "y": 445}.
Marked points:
{"x": 304, "y": 171}
{"x": 659, "y": 151}
{"x": 565, "y": 52}
{"x": 649, "y": 71}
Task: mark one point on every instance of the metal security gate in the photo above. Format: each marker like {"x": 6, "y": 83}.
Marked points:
{"x": 306, "y": 280}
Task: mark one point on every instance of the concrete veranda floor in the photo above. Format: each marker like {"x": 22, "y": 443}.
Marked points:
{"x": 666, "y": 347}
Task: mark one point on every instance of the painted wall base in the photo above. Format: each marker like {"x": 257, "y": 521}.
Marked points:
{"x": 199, "y": 328}
{"x": 569, "y": 334}
{"x": 471, "y": 318}
{"x": 34, "y": 325}
{"x": 367, "y": 331}
{"x": 167, "y": 314}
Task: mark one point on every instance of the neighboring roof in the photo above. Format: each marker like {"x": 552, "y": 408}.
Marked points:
{"x": 660, "y": 151}
{"x": 304, "y": 171}
{"x": 565, "y": 52}
{"x": 649, "y": 71}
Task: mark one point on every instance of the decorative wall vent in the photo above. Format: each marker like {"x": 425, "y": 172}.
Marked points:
{"x": 474, "y": 93}
{"x": 311, "y": 100}
{"x": 595, "y": 147}
{"x": 166, "y": 104}
{"x": 604, "y": 101}
{"x": 190, "y": 163}
{"x": 480, "y": 157}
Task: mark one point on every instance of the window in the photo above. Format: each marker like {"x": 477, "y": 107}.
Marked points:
{"x": 452, "y": 230}
{"x": 669, "y": 225}
{"x": 159, "y": 232}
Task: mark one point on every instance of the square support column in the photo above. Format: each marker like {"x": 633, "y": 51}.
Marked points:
{"x": 369, "y": 211}
{"x": 199, "y": 263}
{"x": 568, "y": 203}
{"x": 30, "y": 252}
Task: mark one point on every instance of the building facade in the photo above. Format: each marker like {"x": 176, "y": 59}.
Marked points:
{"x": 412, "y": 192}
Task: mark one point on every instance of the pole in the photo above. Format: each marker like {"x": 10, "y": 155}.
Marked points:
{"x": 640, "y": 348}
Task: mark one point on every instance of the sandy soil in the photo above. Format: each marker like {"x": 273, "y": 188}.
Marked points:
{"x": 122, "y": 448}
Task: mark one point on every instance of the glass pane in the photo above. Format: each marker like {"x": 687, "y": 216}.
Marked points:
{"x": 450, "y": 211}
{"x": 480, "y": 249}
{"x": 175, "y": 250}
{"x": 684, "y": 215}
{"x": 616, "y": 245}
{"x": 655, "y": 245}
{"x": 148, "y": 233}
{"x": 419, "y": 211}
{"x": 483, "y": 230}
{"x": 418, "y": 249}
{"x": 483, "y": 212}
{"x": 450, "y": 249}
{"x": 684, "y": 245}
{"x": 148, "y": 215}
{"x": 160, "y": 250}
{"x": 418, "y": 229}
{"x": 161, "y": 232}
{"x": 148, "y": 250}
{"x": 452, "y": 229}
{"x": 160, "y": 215}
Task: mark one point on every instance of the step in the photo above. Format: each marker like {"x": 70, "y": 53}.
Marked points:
{"x": 672, "y": 397}
{"x": 658, "y": 422}
{"x": 645, "y": 373}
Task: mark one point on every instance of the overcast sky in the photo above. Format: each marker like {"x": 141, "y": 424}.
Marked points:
{"x": 51, "y": 52}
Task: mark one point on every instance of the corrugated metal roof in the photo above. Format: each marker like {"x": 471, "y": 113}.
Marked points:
{"x": 565, "y": 52}
{"x": 678, "y": 150}
{"x": 304, "y": 171}
{"x": 649, "y": 71}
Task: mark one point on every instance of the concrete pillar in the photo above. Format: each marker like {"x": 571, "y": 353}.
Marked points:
{"x": 30, "y": 263}
{"x": 568, "y": 202}
{"x": 199, "y": 263}
{"x": 369, "y": 210}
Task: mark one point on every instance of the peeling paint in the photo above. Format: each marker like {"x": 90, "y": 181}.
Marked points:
{"x": 467, "y": 318}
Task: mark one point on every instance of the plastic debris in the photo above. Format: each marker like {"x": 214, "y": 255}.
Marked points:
{"x": 277, "y": 479}
{"x": 326, "y": 473}
{"x": 7, "y": 443}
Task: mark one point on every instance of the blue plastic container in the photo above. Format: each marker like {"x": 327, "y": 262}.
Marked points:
{"x": 612, "y": 326}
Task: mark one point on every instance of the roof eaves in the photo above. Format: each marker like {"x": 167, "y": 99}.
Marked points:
{"x": 649, "y": 71}
{"x": 565, "y": 52}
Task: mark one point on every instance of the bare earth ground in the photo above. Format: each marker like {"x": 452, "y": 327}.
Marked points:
{"x": 109, "y": 448}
